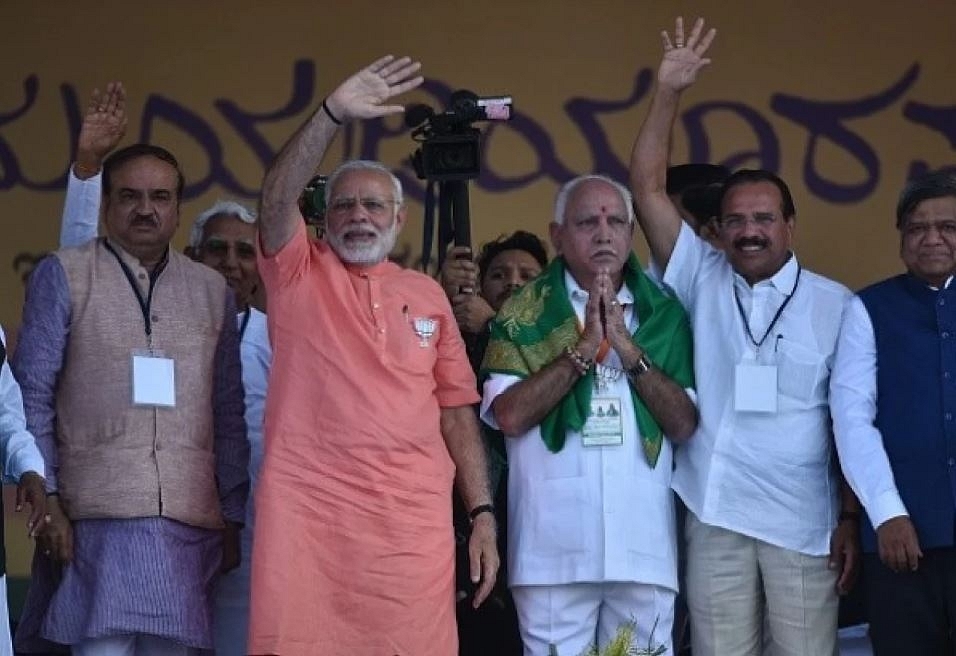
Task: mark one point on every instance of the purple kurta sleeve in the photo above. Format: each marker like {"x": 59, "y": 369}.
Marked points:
{"x": 231, "y": 443}
{"x": 41, "y": 348}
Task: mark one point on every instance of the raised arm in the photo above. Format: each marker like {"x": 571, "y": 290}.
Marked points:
{"x": 104, "y": 125}
{"x": 360, "y": 96}
{"x": 659, "y": 218}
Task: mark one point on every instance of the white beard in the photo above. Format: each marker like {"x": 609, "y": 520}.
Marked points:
{"x": 364, "y": 254}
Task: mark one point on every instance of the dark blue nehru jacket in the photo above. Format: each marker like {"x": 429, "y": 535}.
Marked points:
{"x": 915, "y": 330}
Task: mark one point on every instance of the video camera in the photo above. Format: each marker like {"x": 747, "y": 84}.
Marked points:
{"x": 450, "y": 146}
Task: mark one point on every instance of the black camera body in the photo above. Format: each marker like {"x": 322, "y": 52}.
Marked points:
{"x": 449, "y": 157}
{"x": 450, "y": 146}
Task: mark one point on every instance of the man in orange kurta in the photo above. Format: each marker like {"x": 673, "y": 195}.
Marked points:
{"x": 368, "y": 416}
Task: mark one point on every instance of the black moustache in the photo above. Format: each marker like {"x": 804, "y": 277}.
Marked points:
{"x": 143, "y": 220}
{"x": 751, "y": 241}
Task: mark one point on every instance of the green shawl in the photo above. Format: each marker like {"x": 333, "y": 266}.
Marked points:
{"x": 536, "y": 324}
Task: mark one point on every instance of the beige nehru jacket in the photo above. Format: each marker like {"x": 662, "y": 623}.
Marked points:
{"x": 117, "y": 460}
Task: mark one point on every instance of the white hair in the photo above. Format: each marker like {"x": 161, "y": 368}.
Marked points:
{"x": 561, "y": 202}
{"x": 363, "y": 165}
{"x": 221, "y": 208}
{"x": 368, "y": 254}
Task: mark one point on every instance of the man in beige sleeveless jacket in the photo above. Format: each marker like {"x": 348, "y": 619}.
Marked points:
{"x": 129, "y": 357}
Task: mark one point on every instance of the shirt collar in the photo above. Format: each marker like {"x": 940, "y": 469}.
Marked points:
{"x": 624, "y": 294}
{"x": 374, "y": 271}
{"x": 945, "y": 284}
{"x": 131, "y": 261}
{"x": 783, "y": 280}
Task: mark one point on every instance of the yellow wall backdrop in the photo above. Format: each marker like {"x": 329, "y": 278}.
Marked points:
{"x": 843, "y": 99}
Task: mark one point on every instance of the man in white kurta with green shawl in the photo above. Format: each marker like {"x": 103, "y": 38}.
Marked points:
{"x": 588, "y": 373}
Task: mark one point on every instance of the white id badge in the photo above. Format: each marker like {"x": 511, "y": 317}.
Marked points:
{"x": 604, "y": 426}
{"x": 154, "y": 379}
{"x": 755, "y": 387}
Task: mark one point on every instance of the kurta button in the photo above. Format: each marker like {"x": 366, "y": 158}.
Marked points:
{"x": 942, "y": 301}
{"x": 945, "y": 335}
{"x": 949, "y": 416}
{"x": 375, "y": 306}
{"x": 951, "y": 462}
{"x": 142, "y": 276}
{"x": 381, "y": 330}
{"x": 155, "y": 317}
{"x": 946, "y": 375}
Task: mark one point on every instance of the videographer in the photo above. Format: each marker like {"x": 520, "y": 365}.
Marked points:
{"x": 477, "y": 290}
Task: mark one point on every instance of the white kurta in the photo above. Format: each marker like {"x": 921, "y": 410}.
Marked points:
{"x": 771, "y": 475}
{"x": 588, "y": 514}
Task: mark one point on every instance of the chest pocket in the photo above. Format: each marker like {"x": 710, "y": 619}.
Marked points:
{"x": 802, "y": 372}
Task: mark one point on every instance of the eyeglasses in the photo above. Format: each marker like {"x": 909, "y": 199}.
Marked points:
{"x": 374, "y": 206}
{"x": 220, "y": 247}
{"x": 737, "y": 222}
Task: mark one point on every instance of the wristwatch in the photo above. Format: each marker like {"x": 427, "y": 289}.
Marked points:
{"x": 642, "y": 366}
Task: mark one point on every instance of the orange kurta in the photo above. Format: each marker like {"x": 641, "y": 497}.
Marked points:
{"x": 353, "y": 550}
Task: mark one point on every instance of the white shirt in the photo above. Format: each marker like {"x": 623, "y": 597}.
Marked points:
{"x": 18, "y": 449}
{"x": 81, "y": 209}
{"x": 588, "y": 513}
{"x": 233, "y": 588}
{"x": 770, "y": 476}
{"x": 853, "y": 401}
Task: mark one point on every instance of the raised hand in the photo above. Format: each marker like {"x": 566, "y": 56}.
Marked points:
{"x": 104, "y": 125}
{"x": 363, "y": 94}
{"x": 678, "y": 69}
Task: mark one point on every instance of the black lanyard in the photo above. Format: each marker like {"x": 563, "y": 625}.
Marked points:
{"x": 773, "y": 323}
{"x": 245, "y": 322}
{"x": 144, "y": 303}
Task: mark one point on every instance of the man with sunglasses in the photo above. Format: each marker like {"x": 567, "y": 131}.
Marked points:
{"x": 766, "y": 538}
{"x": 224, "y": 238}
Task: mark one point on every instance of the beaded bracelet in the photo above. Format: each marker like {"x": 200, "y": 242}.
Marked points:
{"x": 581, "y": 364}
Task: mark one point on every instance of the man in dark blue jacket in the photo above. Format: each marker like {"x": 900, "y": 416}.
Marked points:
{"x": 893, "y": 398}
